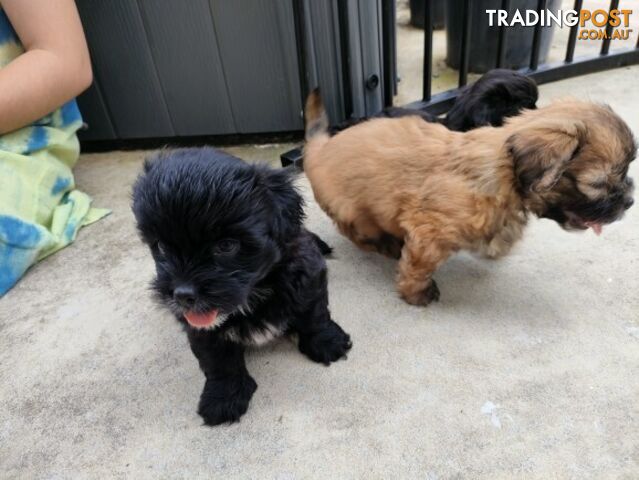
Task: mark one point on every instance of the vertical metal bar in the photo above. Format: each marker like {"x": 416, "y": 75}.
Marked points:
{"x": 394, "y": 38}
{"x": 395, "y": 74}
{"x": 298, "y": 18}
{"x": 501, "y": 46}
{"x": 534, "y": 55}
{"x": 605, "y": 46}
{"x": 428, "y": 50}
{"x": 345, "y": 54}
{"x": 465, "y": 44}
{"x": 572, "y": 39}
{"x": 388, "y": 50}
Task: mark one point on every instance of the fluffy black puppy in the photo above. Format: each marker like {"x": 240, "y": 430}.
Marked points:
{"x": 234, "y": 265}
{"x": 497, "y": 95}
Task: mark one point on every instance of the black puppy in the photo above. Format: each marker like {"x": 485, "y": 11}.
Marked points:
{"x": 234, "y": 265}
{"x": 495, "y": 96}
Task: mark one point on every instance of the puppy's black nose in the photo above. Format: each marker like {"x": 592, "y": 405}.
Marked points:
{"x": 628, "y": 202}
{"x": 184, "y": 295}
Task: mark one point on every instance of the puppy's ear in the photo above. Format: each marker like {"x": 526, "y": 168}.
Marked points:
{"x": 496, "y": 104}
{"x": 287, "y": 203}
{"x": 148, "y": 164}
{"x": 542, "y": 152}
{"x": 478, "y": 105}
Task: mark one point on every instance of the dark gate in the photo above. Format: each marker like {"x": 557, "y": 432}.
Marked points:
{"x": 541, "y": 73}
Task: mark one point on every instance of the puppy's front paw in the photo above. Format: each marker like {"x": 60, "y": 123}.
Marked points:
{"x": 327, "y": 345}
{"x": 226, "y": 400}
{"x": 423, "y": 297}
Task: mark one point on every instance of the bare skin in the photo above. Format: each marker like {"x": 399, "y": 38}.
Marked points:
{"x": 55, "y": 66}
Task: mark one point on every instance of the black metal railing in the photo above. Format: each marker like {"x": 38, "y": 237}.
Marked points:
{"x": 541, "y": 73}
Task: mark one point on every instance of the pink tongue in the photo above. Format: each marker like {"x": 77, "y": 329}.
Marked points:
{"x": 596, "y": 227}
{"x": 201, "y": 320}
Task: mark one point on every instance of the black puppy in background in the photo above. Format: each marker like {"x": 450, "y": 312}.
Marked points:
{"x": 235, "y": 266}
{"x": 495, "y": 96}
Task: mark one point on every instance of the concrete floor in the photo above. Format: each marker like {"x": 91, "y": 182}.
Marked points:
{"x": 528, "y": 367}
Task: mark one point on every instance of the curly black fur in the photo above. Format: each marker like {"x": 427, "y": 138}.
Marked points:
{"x": 497, "y": 95}
{"x": 228, "y": 237}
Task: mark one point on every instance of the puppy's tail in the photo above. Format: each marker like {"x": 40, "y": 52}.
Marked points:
{"x": 316, "y": 126}
{"x": 315, "y": 116}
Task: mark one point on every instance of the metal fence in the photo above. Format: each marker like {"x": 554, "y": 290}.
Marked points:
{"x": 541, "y": 73}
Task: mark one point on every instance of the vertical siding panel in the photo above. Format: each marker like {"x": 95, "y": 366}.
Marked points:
{"x": 257, "y": 46}
{"x": 123, "y": 64}
{"x": 182, "y": 41}
{"x": 324, "y": 59}
{"x": 95, "y": 115}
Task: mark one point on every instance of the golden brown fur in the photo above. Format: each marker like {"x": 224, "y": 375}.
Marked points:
{"x": 419, "y": 192}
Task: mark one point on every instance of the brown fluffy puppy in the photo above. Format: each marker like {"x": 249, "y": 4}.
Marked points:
{"x": 419, "y": 192}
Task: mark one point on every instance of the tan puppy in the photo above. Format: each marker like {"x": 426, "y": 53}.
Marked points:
{"x": 419, "y": 192}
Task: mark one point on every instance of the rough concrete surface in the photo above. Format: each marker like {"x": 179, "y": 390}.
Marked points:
{"x": 528, "y": 367}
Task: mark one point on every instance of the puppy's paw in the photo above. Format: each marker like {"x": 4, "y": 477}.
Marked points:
{"x": 423, "y": 297}
{"x": 327, "y": 345}
{"x": 226, "y": 400}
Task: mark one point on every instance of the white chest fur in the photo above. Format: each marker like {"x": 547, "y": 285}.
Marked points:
{"x": 255, "y": 336}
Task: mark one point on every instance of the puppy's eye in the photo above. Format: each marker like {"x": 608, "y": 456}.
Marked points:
{"x": 599, "y": 185}
{"x": 226, "y": 246}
